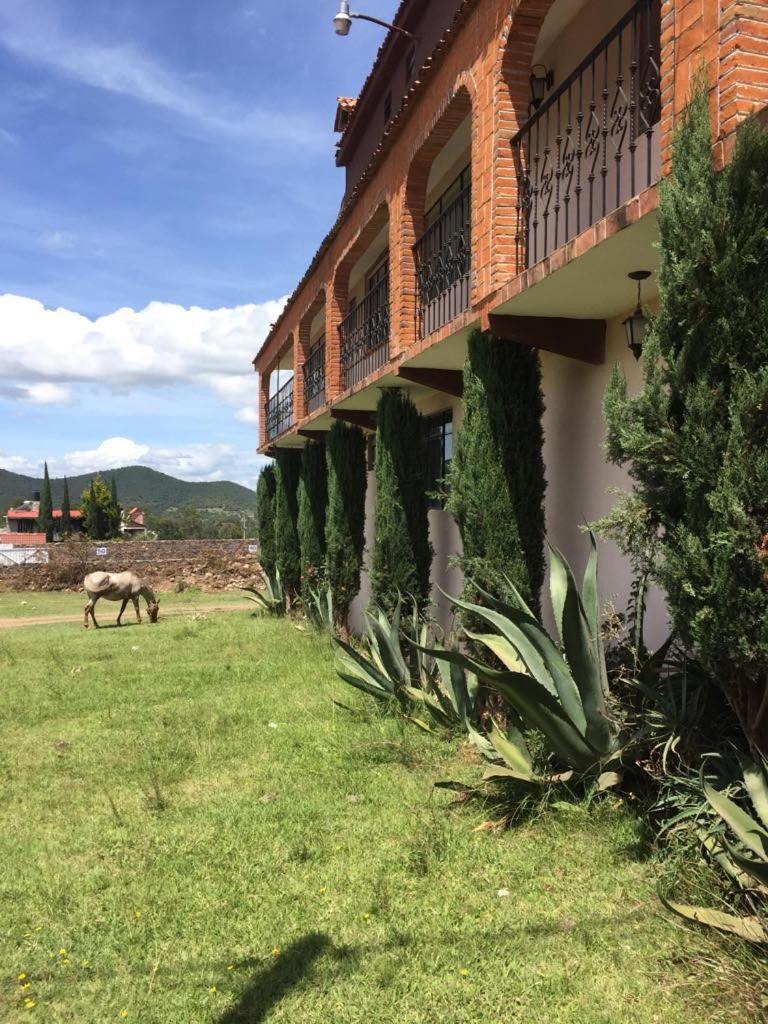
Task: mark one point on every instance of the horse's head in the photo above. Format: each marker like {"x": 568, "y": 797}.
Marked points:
{"x": 153, "y": 609}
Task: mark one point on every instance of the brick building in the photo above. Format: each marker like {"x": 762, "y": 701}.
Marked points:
{"x": 502, "y": 166}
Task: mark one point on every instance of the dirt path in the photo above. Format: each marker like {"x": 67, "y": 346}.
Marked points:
{"x": 52, "y": 620}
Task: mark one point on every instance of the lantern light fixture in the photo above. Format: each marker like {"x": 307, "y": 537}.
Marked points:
{"x": 342, "y": 22}
{"x": 541, "y": 80}
{"x": 636, "y": 324}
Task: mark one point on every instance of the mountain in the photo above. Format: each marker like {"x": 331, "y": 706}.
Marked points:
{"x": 136, "y": 486}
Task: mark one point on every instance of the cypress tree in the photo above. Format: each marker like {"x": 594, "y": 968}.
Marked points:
{"x": 288, "y": 557}
{"x": 114, "y": 511}
{"x": 265, "y": 519}
{"x": 345, "y": 520}
{"x": 496, "y": 481}
{"x": 92, "y": 518}
{"x": 402, "y": 555}
{"x": 45, "y": 514}
{"x": 695, "y": 439}
{"x": 313, "y": 498}
{"x": 66, "y": 512}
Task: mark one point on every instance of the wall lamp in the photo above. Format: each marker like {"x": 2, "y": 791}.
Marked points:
{"x": 342, "y": 23}
{"x": 541, "y": 80}
{"x": 636, "y": 324}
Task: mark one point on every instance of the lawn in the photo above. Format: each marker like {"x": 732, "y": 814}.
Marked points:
{"x": 193, "y": 833}
{"x": 16, "y": 605}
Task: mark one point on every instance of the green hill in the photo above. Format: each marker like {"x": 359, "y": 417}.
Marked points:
{"x": 136, "y": 486}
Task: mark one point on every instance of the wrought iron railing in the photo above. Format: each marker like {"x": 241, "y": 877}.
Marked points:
{"x": 314, "y": 377}
{"x": 280, "y": 410}
{"x": 593, "y": 143}
{"x": 443, "y": 259}
{"x": 364, "y": 335}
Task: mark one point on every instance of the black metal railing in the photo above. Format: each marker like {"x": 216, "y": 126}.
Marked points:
{"x": 592, "y": 144}
{"x": 443, "y": 260}
{"x": 364, "y": 335}
{"x": 280, "y": 410}
{"x": 314, "y": 377}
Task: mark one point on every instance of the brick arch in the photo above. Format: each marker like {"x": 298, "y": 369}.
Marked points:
{"x": 336, "y": 306}
{"x": 517, "y": 45}
{"x": 301, "y": 352}
{"x": 460, "y": 102}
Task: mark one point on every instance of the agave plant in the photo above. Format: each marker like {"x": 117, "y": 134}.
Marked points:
{"x": 378, "y": 668}
{"x": 319, "y": 609}
{"x": 744, "y": 861}
{"x": 270, "y": 599}
{"x": 563, "y": 695}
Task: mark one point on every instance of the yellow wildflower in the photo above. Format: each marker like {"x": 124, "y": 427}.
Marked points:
{"x": 62, "y": 952}
{"x": 137, "y": 914}
{"x": 85, "y": 963}
{"x": 213, "y": 989}
{"x": 65, "y": 960}
{"x": 30, "y": 1004}
{"x": 464, "y": 972}
{"x": 230, "y": 967}
{"x": 276, "y": 951}
{"x": 22, "y": 976}
{"x": 323, "y": 889}
{"x": 366, "y": 917}
{"x": 123, "y": 1013}
{"x": 25, "y": 986}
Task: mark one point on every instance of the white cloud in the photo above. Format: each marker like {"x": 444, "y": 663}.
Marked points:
{"x": 248, "y": 415}
{"x": 32, "y": 30}
{"x": 45, "y": 351}
{"x": 57, "y": 241}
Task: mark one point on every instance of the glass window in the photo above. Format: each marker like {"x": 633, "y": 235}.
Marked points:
{"x": 439, "y": 455}
{"x": 453, "y": 191}
{"x": 410, "y": 65}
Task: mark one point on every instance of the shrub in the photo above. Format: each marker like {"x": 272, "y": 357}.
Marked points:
{"x": 313, "y": 498}
{"x": 287, "y": 555}
{"x": 496, "y": 481}
{"x": 345, "y": 521}
{"x": 265, "y": 519}
{"x": 402, "y": 556}
{"x": 695, "y": 439}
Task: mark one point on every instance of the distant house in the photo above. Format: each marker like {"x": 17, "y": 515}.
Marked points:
{"x": 22, "y": 528}
{"x": 133, "y": 523}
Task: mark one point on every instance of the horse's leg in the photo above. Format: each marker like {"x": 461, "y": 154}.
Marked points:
{"x": 136, "y": 606}
{"x": 93, "y": 615}
{"x": 87, "y": 610}
{"x": 122, "y": 609}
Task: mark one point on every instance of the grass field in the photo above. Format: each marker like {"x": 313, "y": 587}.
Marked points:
{"x": 191, "y": 832}
{"x": 14, "y": 605}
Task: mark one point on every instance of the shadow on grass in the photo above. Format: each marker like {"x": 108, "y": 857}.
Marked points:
{"x": 295, "y": 966}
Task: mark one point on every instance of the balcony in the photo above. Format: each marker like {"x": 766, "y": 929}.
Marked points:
{"x": 443, "y": 260}
{"x": 314, "y": 377}
{"x": 364, "y": 335}
{"x": 593, "y": 143}
{"x": 280, "y": 411}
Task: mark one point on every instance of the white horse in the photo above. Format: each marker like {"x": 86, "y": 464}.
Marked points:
{"x": 118, "y": 586}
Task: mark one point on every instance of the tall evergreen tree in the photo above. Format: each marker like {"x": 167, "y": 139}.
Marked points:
{"x": 496, "y": 482}
{"x": 45, "y": 514}
{"x": 91, "y": 509}
{"x": 345, "y": 520}
{"x": 265, "y": 519}
{"x": 66, "y": 512}
{"x": 695, "y": 439}
{"x": 313, "y": 499}
{"x": 402, "y": 555}
{"x": 115, "y": 511}
{"x": 97, "y": 509}
{"x": 288, "y": 556}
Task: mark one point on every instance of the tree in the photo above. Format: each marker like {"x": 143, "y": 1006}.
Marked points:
{"x": 345, "y": 520}
{"x": 313, "y": 498}
{"x": 695, "y": 439}
{"x": 115, "y": 511}
{"x": 65, "y": 528}
{"x": 402, "y": 555}
{"x": 288, "y": 557}
{"x": 265, "y": 519}
{"x": 97, "y": 509}
{"x": 496, "y": 481}
{"x": 45, "y": 513}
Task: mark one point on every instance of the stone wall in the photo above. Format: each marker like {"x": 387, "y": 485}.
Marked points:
{"x": 165, "y": 564}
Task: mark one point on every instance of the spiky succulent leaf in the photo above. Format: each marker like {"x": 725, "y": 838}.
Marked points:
{"x": 749, "y": 928}
{"x": 757, "y": 869}
{"x": 756, "y": 782}
{"x": 752, "y": 835}
{"x": 512, "y": 748}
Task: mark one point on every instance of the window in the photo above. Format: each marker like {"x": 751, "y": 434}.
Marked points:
{"x": 378, "y": 274}
{"x": 439, "y": 455}
{"x": 410, "y": 65}
{"x": 388, "y": 108}
{"x": 454, "y": 190}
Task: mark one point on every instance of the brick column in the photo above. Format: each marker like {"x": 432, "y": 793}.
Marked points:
{"x": 335, "y": 310}
{"x": 263, "y": 398}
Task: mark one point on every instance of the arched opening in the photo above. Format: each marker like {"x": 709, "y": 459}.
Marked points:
{"x": 279, "y": 410}
{"x": 583, "y": 84}
{"x": 312, "y": 345}
{"x": 361, "y": 293}
{"x": 439, "y": 213}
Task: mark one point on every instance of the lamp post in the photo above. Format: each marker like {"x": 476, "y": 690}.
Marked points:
{"x": 342, "y": 23}
{"x": 636, "y": 324}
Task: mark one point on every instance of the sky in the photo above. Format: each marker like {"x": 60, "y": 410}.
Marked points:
{"x": 166, "y": 175}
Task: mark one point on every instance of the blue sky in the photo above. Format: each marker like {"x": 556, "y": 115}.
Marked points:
{"x": 166, "y": 174}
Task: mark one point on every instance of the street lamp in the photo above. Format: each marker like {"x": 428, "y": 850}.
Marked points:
{"x": 342, "y": 23}
{"x": 636, "y": 324}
